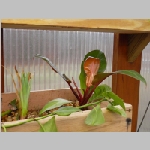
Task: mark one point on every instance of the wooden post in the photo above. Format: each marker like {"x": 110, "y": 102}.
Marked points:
{"x": 126, "y": 87}
{"x": 2, "y": 62}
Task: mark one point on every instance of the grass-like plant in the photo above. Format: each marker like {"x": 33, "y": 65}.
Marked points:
{"x": 22, "y": 92}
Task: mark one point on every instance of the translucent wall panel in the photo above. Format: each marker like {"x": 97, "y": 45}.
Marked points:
{"x": 145, "y": 91}
{"x": 66, "y": 49}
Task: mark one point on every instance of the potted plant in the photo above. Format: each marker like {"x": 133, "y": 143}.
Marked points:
{"x": 86, "y": 113}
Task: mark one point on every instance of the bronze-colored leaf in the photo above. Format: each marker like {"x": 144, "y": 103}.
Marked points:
{"x": 91, "y": 66}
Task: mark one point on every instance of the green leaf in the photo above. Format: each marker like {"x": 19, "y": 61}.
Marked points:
{"x": 95, "y": 117}
{"x": 133, "y": 74}
{"x": 116, "y": 99}
{"x": 25, "y": 92}
{"x": 66, "y": 111}
{"x": 49, "y": 126}
{"x": 98, "y": 92}
{"x": 102, "y": 68}
{"x": 102, "y": 76}
{"x": 117, "y": 110}
{"x": 54, "y": 104}
{"x": 13, "y": 104}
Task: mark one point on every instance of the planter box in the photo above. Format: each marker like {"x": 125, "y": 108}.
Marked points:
{"x": 72, "y": 123}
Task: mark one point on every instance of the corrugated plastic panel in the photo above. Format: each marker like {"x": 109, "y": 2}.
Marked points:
{"x": 66, "y": 49}
{"x": 145, "y": 91}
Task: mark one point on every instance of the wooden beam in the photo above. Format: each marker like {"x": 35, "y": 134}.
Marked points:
{"x": 2, "y": 62}
{"x": 124, "y": 86}
{"x": 100, "y": 25}
{"x": 136, "y": 43}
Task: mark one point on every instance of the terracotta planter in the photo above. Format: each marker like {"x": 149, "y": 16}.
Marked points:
{"x": 72, "y": 123}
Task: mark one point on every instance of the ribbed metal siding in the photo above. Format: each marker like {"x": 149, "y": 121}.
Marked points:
{"x": 145, "y": 91}
{"x": 66, "y": 49}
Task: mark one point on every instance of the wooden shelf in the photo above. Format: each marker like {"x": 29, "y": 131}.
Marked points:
{"x": 101, "y": 25}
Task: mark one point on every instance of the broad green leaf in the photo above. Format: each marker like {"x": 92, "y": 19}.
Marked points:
{"x": 95, "y": 117}
{"x": 116, "y": 99}
{"x": 54, "y": 104}
{"x": 95, "y": 54}
{"x": 117, "y": 110}
{"x": 49, "y": 126}
{"x": 102, "y": 76}
{"x": 98, "y": 92}
{"x": 133, "y": 74}
{"x": 66, "y": 111}
{"x": 105, "y": 88}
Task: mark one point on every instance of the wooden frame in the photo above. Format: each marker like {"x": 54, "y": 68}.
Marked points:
{"x": 100, "y": 25}
{"x": 72, "y": 123}
{"x": 126, "y": 87}
{"x": 75, "y": 123}
{"x": 2, "y": 62}
{"x": 137, "y": 37}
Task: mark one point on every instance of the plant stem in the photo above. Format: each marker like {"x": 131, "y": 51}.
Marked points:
{"x": 94, "y": 103}
{"x": 92, "y": 90}
{"x": 76, "y": 95}
{"x": 5, "y": 113}
{"x": 80, "y": 95}
{"x": 84, "y": 99}
{"x": 25, "y": 121}
{"x": 4, "y": 127}
{"x": 40, "y": 125}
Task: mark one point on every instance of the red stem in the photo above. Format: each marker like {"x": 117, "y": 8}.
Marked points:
{"x": 91, "y": 92}
{"x": 80, "y": 95}
{"x": 84, "y": 100}
{"x": 76, "y": 95}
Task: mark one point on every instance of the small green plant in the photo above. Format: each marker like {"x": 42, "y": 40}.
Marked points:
{"x": 91, "y": 93}
{"x": 22, "y": 87}
{"x": 22, "y": 94}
